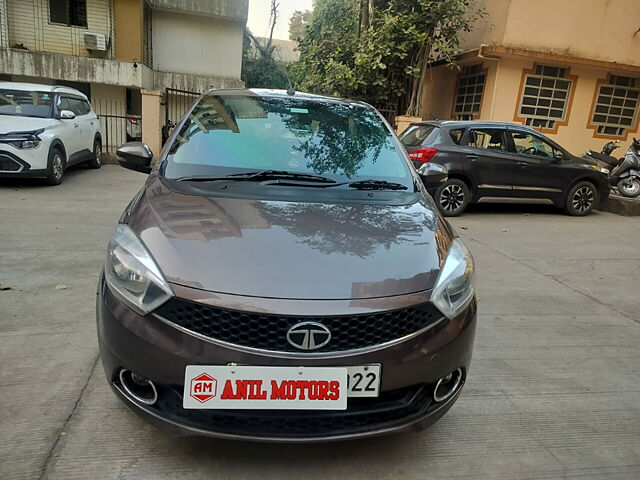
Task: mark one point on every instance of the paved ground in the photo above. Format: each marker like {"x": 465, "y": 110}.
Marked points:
{"x": 554, "y": 390}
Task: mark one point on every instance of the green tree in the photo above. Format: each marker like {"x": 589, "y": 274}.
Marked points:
{"x": 259, "y": 68}
{"x": 297, "y": 23}
{"x": 379, "y": 50}
{"x": 328, "y": 49}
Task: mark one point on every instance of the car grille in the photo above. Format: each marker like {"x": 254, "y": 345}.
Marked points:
{"x": 391, "y": 408}
{"x": 269, "y": 332}
{"x": 8, "y": 164}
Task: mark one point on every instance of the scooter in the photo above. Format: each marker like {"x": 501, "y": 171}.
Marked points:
{"x": 624, "y": 173}
{"x": 605, "y": 155}
{"x": 626, "y": 176}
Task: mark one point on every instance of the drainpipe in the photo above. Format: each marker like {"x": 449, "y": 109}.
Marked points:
{"x": 495, "y": 80}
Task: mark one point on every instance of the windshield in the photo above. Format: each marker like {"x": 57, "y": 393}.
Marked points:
{"x": 228, "y": 134}
{"x": 24, "y": 103}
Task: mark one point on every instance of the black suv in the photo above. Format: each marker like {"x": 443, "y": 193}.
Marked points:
{"x": 502, "y": 162}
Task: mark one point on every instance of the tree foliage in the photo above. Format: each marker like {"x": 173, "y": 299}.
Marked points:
{"x": 297, "y": 23}
{"x": 259, "y": 67}
{"x": 379, "y": 50}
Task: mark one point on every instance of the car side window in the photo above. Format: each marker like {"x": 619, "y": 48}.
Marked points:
{"x": 529, "y": 144}
{"x": 63, "y": 104}
{"x": 77, "y": 106}
{"x": 86, "y": 106}
{"x": 456, "y": 135}
{"x": 487, "y": 139}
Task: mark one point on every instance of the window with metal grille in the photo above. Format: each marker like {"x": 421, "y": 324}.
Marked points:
{"x": 616, "y": 106}
{"x": 469, "y": 93}
{"x": 545, "y": 97}
{"x": 68, "y": 12}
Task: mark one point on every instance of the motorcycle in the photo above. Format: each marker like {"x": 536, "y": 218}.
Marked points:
{"x": 624, "y": 174}
{"x": 605, "y": 155}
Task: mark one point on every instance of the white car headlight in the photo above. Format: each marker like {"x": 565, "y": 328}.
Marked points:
{"x": 454, "y": 289}
{"x": 132, "y": 274}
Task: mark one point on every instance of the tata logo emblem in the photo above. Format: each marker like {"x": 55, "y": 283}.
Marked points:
{"x": 308, "y": 335}
{"x": 203, "y": 387}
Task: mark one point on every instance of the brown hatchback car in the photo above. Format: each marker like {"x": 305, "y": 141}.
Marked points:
{"x": 283, "y": 275}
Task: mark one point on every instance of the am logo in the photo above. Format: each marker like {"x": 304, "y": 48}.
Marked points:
{"x": 203, "y": 387}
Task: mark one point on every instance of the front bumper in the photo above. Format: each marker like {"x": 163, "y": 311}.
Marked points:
{"x": 160, "y": 352}
{"x": 20, "y": 164}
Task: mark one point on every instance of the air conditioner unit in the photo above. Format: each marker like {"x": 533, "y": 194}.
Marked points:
{"x": 95, "y": 41}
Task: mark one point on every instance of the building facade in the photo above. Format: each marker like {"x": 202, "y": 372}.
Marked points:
{"x": 569, "y": 68}
{"x": 118, "y": 51}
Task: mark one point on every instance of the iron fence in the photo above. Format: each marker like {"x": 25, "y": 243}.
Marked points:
{"x": 176, "y": 103}
{"x": 116, "y": 125}
{"x": 389, "y": 112}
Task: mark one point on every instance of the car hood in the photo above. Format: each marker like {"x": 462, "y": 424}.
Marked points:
{"x": 15, "y": 124}
{"x": 294, "y": 250}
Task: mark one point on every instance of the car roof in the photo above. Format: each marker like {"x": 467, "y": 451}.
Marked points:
{"x": 472, "y": 123}
{"x": 39, "y": 87}
{"x": 268, "y": 92}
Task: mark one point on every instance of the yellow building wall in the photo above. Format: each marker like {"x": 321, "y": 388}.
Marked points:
{"x": 595, "y": 29}
{"x": 575, "y": 136}
{"x": 129, "y": 21}
{"x": 501, "y": 97}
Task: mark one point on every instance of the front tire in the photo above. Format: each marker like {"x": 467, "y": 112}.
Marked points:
{"x": 452, "y": 197}
{"x": 581, "y": 199}
{"x": 629, "y": 187}
{"x": 55, "y": 167}
{"x": 96, "y": 161}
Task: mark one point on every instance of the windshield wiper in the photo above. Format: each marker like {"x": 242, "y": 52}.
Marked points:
{"x": 373, "y": 185}
{"x": 260, "y": 176}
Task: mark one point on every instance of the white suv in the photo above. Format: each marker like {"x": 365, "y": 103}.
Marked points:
{"x": 44, "y": 129}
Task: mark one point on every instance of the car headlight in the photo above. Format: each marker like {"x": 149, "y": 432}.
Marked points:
{"x": 132, "y": 274}
{"x": 454, "y": 289}
{"x": 27, "y": 143}
{"x": 24, "y": 140}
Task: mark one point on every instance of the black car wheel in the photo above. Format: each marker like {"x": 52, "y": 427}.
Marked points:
{"x": 453, "y": 197}
{"x": 96, "y": 161}
{"x": 55, "y": 167}
{"x": 582, "y": 198}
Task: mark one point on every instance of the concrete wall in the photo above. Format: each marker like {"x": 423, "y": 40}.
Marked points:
{"x": 111, "y": 72}
{"x": 595, "y": 29}
{"x": 231, "y": 9}
{"x": 129, "y": 24}
{"x": 196, "y": 45}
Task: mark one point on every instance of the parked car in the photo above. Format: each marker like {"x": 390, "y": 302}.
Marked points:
{"x": 284, "y": 276}
{"x": 44, "y": 130}
{"x": 503, "y": 162}
{"x": 134, "y": 128}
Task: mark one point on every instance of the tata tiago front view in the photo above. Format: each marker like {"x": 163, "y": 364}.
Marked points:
{"x": 283, "y": 275}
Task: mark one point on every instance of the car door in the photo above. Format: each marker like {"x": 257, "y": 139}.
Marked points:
{"x": 69, "y": 129}
{"x": 92, "y": 122}
{"x": 488, "y": 161}
{"x": 538, "y": 166}
{"x": 83, "y": 128}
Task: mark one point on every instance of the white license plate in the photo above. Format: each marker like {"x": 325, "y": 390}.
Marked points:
{"x": 277, "y": 388}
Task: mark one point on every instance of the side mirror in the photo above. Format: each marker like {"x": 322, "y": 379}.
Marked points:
{"x": 432, "y": 174}
{"x": 135, "y": 156}
{"x": 558, "y": 156}
{"x": 67, "y": 115}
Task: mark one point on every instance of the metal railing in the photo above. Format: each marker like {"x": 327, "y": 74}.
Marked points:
{"x": 117, "y": 127}
{"x": 176, "y": 103}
